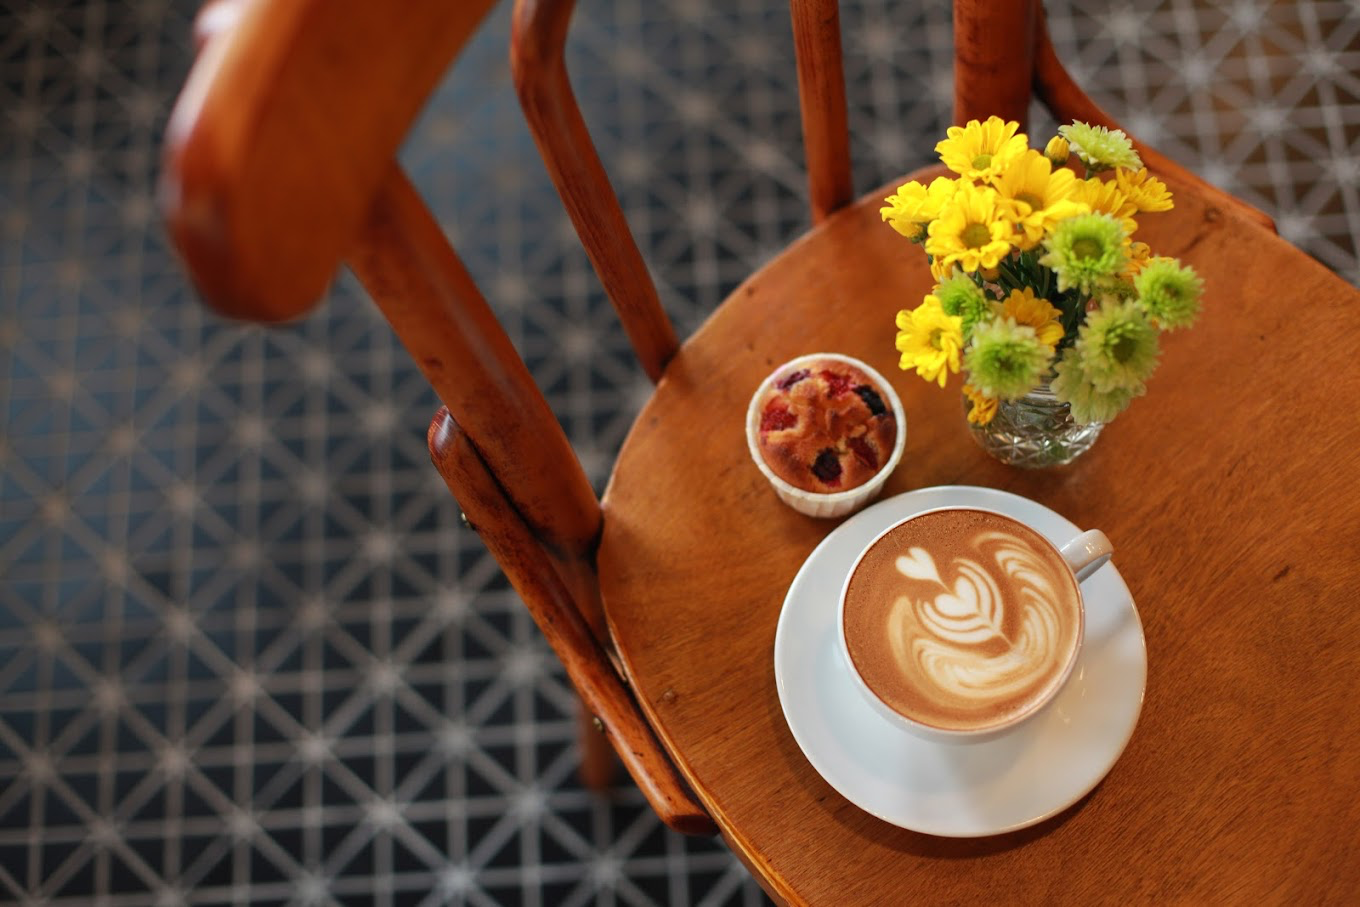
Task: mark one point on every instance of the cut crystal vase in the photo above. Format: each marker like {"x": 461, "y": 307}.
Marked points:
{"x": 1034, "y": 432}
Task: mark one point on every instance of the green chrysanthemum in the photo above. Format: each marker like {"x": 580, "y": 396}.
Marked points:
{"x": 960, "y": 296}
{"x": 1086, "y": 252}
{"x": 1117, "y": 291}
{"x": 1005, "y": 360}
{"x": 1100, "y": 148}
{"x": 1072, "y": 386}
{"x": 1169, "y": 293}
{"x": 1117, "y": 348}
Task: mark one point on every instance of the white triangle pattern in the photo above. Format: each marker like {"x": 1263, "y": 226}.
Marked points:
{"x": 247, "y": 652}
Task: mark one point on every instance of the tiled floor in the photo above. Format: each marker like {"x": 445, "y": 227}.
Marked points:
{"x": 247, "y": 653}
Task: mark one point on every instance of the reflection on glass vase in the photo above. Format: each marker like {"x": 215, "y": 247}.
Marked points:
{"x": 1035, "y": 431}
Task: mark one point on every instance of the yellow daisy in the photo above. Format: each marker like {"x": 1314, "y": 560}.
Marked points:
{"x": 1104, "y": 197}
{"x": 981, "y": 151}
{"x": 916, "y": 205}
{"x": 972, "y": 230}
{"x": 983, "y": 409}
{"x": 1058, "y": 150}
{"x": 942, "y": 270}
{"x": 1025, "y": 308}
{"x": 929, "y": 340}
{"x": 1145, "y": 192}
{"x": 1037, "y": 196}
{"x": 1139, "y": 254}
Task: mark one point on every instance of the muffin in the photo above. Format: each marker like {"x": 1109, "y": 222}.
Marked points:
{"x": 826, "y": 430}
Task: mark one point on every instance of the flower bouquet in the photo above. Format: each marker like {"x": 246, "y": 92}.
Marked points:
{"x": 1041, "y": 292}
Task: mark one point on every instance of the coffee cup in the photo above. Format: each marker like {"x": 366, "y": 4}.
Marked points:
{"x": 960, "y": 623}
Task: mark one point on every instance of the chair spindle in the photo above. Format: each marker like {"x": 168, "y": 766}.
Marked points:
{"x": 993, "y": 59}
{"x": 538, "y": 40}
{"x": 821, "y": 98}
{"x": 406, "y": 263}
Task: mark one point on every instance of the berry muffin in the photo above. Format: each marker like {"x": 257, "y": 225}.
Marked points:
{"x": 826, "y": 426}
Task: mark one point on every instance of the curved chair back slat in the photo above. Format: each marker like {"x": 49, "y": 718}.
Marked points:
{"x": 538, "y": 39}
{"x": 280, "y": 139}
{"x": 993, "y": 59}
{"x": 821, "y": 99}
{"x": 1066, "y": 101}
{"x": 416, "y": 278}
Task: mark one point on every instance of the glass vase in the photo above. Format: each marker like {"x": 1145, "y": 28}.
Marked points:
{"x": 1034, "y": 432}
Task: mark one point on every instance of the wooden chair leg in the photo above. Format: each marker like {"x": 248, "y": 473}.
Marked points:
{"x": 599, "y": 763}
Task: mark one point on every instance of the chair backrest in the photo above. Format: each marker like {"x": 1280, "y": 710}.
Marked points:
{"x": 279, "y": 164}
{"x": 279, "y": 142}
{"x": 1003, "y": 57}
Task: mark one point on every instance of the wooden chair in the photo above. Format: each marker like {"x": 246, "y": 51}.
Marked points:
{"x": 280, "y": 165}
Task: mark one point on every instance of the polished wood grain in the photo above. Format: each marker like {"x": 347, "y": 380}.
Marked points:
{"x": 1233, "y": 500}
{"x": 554, "y": 608}
{"x": 821, "y": 101}
{"x": 537, "y": 44}
{"x": 993, "y": 52}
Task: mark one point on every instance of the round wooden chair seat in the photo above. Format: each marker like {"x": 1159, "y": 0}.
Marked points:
{"x": 1237, "y": 546}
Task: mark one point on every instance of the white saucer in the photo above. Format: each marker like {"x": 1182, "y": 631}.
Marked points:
{"x": 959, "y": 790}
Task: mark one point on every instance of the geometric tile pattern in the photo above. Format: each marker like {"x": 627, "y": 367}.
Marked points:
{"x": 248, "y": 655}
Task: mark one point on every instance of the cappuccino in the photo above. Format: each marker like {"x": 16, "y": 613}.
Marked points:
{"x": 962, "y": 620}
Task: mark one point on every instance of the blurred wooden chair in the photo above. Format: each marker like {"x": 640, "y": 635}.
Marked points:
{"x": 280, "y": 165}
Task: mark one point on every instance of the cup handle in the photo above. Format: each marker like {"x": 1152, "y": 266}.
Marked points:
{"x": 1087, "y": 553}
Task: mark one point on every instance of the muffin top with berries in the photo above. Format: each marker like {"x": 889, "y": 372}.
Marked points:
{"x": 825, "y": 426}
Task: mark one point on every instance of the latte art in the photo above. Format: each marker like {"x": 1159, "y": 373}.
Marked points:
{"x": 959, "y": 638}
{"x": 959, "y": 619}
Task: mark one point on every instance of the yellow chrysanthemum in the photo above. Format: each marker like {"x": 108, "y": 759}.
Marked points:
{"x": 1025, "y": 308}
{"x": 1058, "y": 150}
{"x": 916, "y": 205}
{"x": 981, "y": 151}
{"x": 929, "y": 341}
{"x": 1145, "y": 192}
{"x": 941, "y": 270}
{"x": 1104, "y": 197}
{"x": 1139, "y": 254}
{"x": 971, "y": 231}
{"x": 983, "y": 409}
{"x": 1037, "y": 196}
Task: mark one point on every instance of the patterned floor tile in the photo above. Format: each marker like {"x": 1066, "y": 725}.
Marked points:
{"x": 248, "y": 654}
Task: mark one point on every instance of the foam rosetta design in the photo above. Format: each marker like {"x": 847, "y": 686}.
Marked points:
{"x": 983, "y": 629}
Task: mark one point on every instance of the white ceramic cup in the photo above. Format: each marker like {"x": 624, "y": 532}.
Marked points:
{"x": 1083, "y": 556}
{"x": 839, "y": 503}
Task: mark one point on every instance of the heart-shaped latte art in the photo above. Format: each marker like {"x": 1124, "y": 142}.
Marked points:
{"x": 971, "y": 612}
{"x": 918, "y": 564}
{"x": 979, "y": 627}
